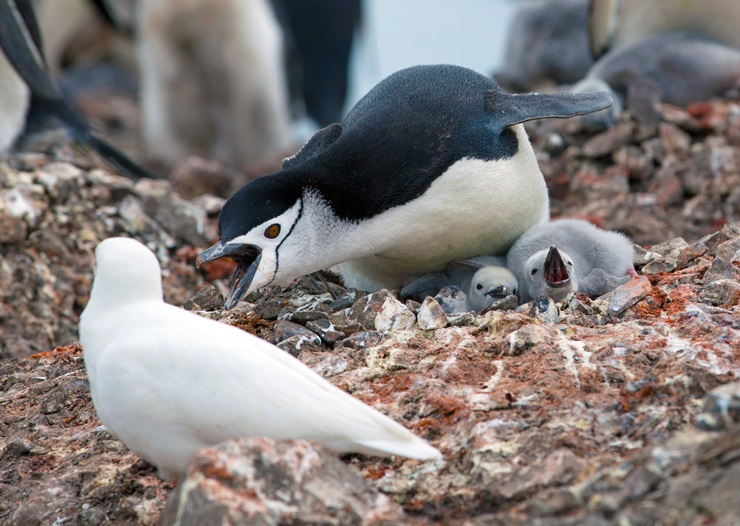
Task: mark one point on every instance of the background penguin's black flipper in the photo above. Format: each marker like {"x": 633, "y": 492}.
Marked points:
{"x": 21, "y": 42}
{"x": 513, "y": 109}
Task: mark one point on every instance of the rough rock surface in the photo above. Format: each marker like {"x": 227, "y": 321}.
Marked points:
{"x": 263, "y": 481}
{"x": 617, "y": 410}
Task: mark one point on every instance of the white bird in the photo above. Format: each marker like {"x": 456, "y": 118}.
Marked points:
{"x": 167, "y": 382}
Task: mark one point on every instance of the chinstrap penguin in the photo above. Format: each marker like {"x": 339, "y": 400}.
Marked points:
{"x": 567, "y": 256}
{"x": 167, "y": 382}
{"x": 432, "y": 165}
{"x": 20, "y": 41}
{"x": 484, "y": 279}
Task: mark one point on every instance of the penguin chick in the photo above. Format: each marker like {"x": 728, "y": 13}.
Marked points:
{"x": 569, "y": 255}
{"x": 485, "y": 279}
{"x": 20, "y": 41}
{"x": 432, "y": 165}
{"x": 167, "y": 382}
{"x": 490, "y": 284}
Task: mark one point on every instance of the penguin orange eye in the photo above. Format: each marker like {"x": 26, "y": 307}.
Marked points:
{"x": 272, "y": 231}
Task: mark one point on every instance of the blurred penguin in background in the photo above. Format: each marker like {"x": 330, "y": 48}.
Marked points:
{"x": 547, "y": 45}
{"x": 319, "y": 37}
{"x": 212, "y": 80}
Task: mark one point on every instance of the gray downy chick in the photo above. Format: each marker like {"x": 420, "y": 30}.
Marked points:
{"x": 569, "y": 255}
{"x": 485, "y": 279}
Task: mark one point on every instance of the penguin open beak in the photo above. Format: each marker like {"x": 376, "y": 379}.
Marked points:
{"x": 554, "y": 270}
{"x": 247, "y": 259}
{"x": 498, "y": 293}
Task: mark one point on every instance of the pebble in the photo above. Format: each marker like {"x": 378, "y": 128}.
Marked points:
{"x": 431, "y": 315}
{"x": 326, "y": 330}
{"x": 394, "y": 316}
{"x": 362, "y": 340}
{"x": 625, "y": 296}
{"x": 452, "y": 300}
{"x": 207, "y": 299}
{"x": 721, "y": 408}
{"x": 285, "y": 329}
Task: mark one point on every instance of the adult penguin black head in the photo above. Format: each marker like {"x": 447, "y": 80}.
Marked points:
{"x": 431, "y": 166}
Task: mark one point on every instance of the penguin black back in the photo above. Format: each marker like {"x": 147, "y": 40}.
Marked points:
{"x": 404, "y": 134}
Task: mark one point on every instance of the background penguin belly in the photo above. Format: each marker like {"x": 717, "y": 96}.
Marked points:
{"x": 476, "y": 207}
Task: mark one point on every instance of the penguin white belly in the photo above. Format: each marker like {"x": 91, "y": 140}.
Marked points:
{"x": 476, "y": 207}
{"x": 14, "y": 99}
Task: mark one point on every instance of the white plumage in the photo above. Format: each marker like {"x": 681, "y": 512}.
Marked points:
{"x": 167, "y": 382}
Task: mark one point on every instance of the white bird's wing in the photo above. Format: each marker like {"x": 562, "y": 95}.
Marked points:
{"x": 211, "y": 382}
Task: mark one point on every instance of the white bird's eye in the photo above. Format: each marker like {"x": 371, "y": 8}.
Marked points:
{"x": 272, "y": 231}
{"x": 570, "y": 264}
{"x": 514, "y": 292}
{"x": 534, "y": 271}
{"x": 479, "y": 286}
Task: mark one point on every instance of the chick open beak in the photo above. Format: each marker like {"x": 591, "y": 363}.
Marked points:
{"x": 555, "y": 272}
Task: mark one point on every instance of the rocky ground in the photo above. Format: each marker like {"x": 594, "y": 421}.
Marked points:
{"x": 620, "y": 410}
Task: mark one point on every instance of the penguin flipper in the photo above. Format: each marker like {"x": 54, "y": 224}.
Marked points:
{"x": 21, "y": 48}
{"x": 511, "y": 109}
{"x": 427, "y": 285}
{"x": 599, "y": 282}
{"x": 318, "y": 142}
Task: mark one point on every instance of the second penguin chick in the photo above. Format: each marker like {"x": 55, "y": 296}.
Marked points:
{"x": 484, "y": 279}
{"x": 569, "y": 255}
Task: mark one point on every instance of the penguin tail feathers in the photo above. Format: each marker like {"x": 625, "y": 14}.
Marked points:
{"x": 511, "y": 109}
{"x": 119, "y": 160}
{"x": 417, "y": 449}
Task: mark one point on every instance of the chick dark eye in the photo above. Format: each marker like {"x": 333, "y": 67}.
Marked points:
{"x": 272, "y": 231}
{"x": 479, "y": 286}
{"x": 534, "y": 271}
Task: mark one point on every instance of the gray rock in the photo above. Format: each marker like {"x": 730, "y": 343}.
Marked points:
{"x": 547, "y": 311}
{"x": 326, "y": 330}
{"x": 269, "y": 309}
{"x": 362, "y": 340}
{"x": 431, "y": 315}
{"x": 302, "y": 317}
{"x": 60, "y": 180}
{"x": 623, "y": 297}
{"x": 285, "y": 329}
{"x": 721, "y": 269}
{"x": 452, "y": 300}
{"x": 208, "y": 299}
{"x": 393, "y": 316}
{"x": 722, "y": 293}
{"x": 510, "y": 302}
{"x": 262, "y": 481}
{"x": 461, "y": 320}
{"x": 12, "y": 229}
{"x": 721, "y": 408}
{"x": 297, "y": 343}
{"x": 366, "y": 309}
{"x": 175, "y": 215}
{"x": 344, "y": 301}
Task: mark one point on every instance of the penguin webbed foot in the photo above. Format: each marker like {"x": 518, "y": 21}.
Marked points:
{"x": 427, "y": 285}
{"x": 599, "y": 282}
